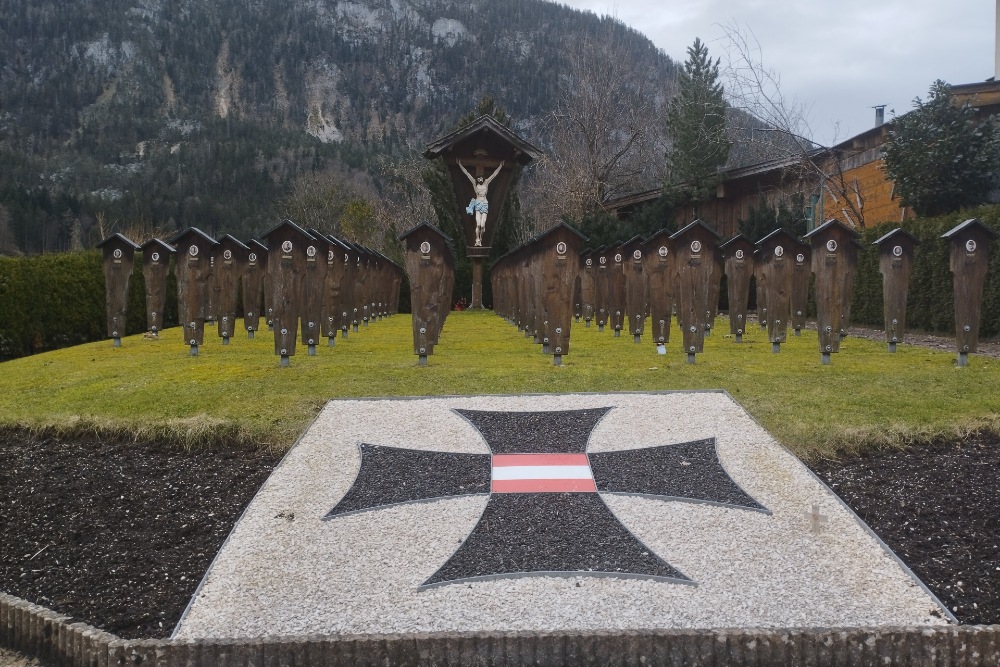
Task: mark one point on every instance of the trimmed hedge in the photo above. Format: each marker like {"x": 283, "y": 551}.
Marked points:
{"x": 930, "y": 304}
{"x": 57, "y": 300}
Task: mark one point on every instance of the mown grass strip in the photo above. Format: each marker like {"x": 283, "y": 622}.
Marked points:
{"x": 153, "y": 389}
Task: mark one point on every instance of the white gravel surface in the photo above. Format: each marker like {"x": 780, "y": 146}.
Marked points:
{"x": 286, "y": 571}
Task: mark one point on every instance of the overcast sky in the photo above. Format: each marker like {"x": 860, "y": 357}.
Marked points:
{"x": 837, "y": 59}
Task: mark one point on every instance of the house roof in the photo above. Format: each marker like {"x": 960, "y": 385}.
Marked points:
{"x": 484, "y": 123}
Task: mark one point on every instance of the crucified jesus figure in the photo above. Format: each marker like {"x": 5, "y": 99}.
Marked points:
{"x": 479, "y": 204}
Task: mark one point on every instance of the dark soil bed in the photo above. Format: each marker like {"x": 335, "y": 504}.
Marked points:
{"x": 938, "y": 507}
{"x": 120, "y": 535}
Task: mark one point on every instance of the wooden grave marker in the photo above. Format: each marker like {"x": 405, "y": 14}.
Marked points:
{"x": 230, "y": 263}
{"x": 834, "y": 261}
{"x": 558, "y": 253}
{"x": 658, "y": 265}
{"x": 616, "y": 289}
{"x": 739, "y": 265}
{"x": 254, "y": 274}
{"x": 970, "y": 244}
{"x": 286, "y": 266}
{"x": 155, "y": 269}
{"x": 193, "y": 267}
{"x": 895, "y": 262}
{"x": 635, "y": 286}
{"x": 588, "y": 286}
{"x": 119, "y": 258}
{"x": 802, "y": 272}
{"x": 777, "y": 253}
{"x": 430, "y": 265}
{"x": 697, "y": 267}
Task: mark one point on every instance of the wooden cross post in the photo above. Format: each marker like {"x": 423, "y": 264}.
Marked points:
{"x": 816, "y": 519}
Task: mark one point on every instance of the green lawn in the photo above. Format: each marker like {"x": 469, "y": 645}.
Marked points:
{"x": 154, "y": 389}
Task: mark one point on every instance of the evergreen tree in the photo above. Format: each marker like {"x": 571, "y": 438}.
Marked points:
{"x": 696, "y": 123}
{"x": 940, "y": 158}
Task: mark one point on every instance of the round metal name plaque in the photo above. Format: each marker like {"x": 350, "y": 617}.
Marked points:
{"x": 618, "y": 258}
{"x": 604, "y": 260}
{"x": 228, "y": 254}
{"x": 897, "y": 251}
{"x": 329, "y": 256}
{"x": 740, "y": 254}
{"x": 663, "y": 251}
{"x": 193, "y": 251}
{"x": 590, "y": 262}
{"x": 800, "y": 258}
{"x": 779, "y": 251}
{"x": 637, "y": 255}
{"x": 117, "y": 253}
{"x": 695, "y": 246}
{"x": 831, "y": 245}
{"x": 253, "y": 257}
{"x": 425, "y": 248}
{"x": 155, "y": 257}
{"x": 311, "y": 251}
{"x": 286, "y": 246}
{"x": 970, "y": 246}
{"x": 561, "y": 248}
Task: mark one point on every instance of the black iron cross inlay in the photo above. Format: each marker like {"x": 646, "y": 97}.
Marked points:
{"x": 545, "y": 515}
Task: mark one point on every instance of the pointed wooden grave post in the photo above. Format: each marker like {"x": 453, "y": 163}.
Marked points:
{"x": 739, "y": 261}
{"x": 119, "y": 256}
{"x": 658, "y": 265}
{"x": 635, "y": 287}
{"x": 760, "y": 282}
{"x": 155, "y": 268}
{"x": 558, "y": 252}
{"x": 588, "y": 286}
{"x": 482, "y": 159}
{"x": 800, "y": 285}
{"x": 193, "y": 267}
{"x": 616, "y": 289}
{"x": 697, "y": 267}
{"x": 834, "y": 261}
{"x": 313, "y": 284}
{"x": 970, "y": 260}
{"x": 895, "y": 261}
{"x": 777, "y": 254}
{"x": 254, "y": 273}
{"x": 429, "y": 265}
{"x": 601, "y": 287}
{"x": 286, "y": 265}
{"x": 230, "y": 263}
{"x": 332, "y": 315}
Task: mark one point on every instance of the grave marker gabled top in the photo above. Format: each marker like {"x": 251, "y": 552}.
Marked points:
{"x": 482, "y": 146}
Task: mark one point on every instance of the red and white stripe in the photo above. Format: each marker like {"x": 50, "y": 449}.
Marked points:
{"x": 542, "y": 473}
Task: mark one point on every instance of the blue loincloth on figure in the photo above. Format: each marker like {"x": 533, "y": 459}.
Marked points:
{"x": 477, "y": 207}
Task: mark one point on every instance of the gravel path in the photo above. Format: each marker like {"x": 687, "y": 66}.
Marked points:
{"x": 286, "y": 570}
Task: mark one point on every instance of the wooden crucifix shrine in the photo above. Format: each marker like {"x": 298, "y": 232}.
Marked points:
{"x": 286, "y": 265}
{"x": 155, "y": 268}
{"x": 739, "y": 262}
{"x": 230, "y": 262}
{"x": 635, "y": 286}
{"x": 658, "y": 266}
{"x": 895, "y": 261}
{"x": 430, "y": 266}
{"x": 970, "y": 244}
{"x": 119, "y": 256}
{"x": 482, "y": 158}
{"x": 697, "y": 267}
{"x": 777, "y": 255}
{"x": 834, "y": 261}
{"x": 254, "y": 273}
{"x": 193, "y": 267}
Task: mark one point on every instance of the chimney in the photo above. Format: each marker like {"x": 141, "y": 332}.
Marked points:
{"x": 880, "y": 111}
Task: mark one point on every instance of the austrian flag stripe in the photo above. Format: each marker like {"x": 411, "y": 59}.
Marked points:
{"x": 542, "y": 473}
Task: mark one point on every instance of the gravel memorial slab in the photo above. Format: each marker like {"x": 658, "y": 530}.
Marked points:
{"x": 542, "y": 513}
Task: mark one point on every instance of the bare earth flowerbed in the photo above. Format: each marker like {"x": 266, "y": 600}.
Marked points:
{"x": 120, "y": 535}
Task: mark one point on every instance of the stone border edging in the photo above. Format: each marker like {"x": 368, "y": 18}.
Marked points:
{"x": 55, "y": 638}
